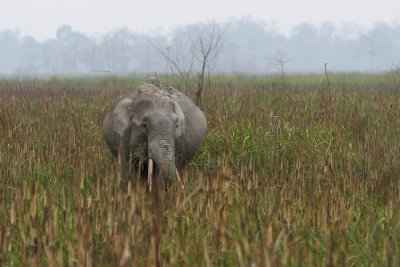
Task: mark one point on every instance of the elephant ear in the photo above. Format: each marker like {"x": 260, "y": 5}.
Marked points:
{"x": 180, "y": 124}
{"x": 122, "y": 116}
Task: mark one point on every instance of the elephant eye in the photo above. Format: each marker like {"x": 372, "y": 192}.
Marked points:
{"x": 144, "y": 125}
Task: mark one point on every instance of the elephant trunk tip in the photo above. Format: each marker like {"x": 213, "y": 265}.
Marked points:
{"x": 168, "y": 172}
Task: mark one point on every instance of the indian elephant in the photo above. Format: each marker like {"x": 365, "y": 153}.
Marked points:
{"x": 162, "y": 118}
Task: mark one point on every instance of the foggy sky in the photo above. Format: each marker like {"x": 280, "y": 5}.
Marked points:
{"x": 41, "y": 18}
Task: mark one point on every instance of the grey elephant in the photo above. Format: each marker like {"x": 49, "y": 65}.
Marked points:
{"x": 162, "y": 118}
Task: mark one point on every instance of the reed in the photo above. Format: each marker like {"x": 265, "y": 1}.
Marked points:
{"x": 284, "y": 178}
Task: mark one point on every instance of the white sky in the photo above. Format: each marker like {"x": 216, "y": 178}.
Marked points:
{"x": 41, "y": 18}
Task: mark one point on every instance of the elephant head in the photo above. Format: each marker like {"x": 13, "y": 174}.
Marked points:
{"x": 147, "y": 117}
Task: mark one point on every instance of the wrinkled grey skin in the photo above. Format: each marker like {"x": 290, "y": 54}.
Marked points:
{"x": 166, "y": 120}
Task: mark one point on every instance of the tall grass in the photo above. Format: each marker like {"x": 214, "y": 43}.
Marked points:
{"x": 286, "y": 177}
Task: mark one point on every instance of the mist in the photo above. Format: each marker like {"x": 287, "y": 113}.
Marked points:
{"x": 246, "y": 46}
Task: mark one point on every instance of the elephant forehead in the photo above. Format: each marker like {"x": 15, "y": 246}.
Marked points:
{"x": 143, "y": 104}
{"x": 161, "y": 119}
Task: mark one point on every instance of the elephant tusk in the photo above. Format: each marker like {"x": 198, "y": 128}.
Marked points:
{"x": 179, "y": 178}
{"x": 150, "y": 174}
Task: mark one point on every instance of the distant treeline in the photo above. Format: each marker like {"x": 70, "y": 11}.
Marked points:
{"x": 247, "y": 47}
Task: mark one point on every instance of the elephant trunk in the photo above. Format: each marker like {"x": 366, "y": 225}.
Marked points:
{"x": 162, "y": 151}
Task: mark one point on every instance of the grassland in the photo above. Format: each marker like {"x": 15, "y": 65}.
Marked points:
{"x": 292, "y": 173}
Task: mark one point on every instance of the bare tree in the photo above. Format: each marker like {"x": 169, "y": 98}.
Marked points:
{"x": 278, "y": 61}
{"x": 177, "y": 62}
{"x": 193, "y": 51}
{"x": 207, "y": 43}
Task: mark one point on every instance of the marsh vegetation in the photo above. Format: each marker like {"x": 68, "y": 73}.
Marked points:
{"x": 290, "y": 174}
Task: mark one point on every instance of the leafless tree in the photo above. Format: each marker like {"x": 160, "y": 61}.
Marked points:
{"x": 207, "y": 44}
{"x": 278, "y": 61}
{"x": 177, "y": 62}
{"x": 202, "y": 48}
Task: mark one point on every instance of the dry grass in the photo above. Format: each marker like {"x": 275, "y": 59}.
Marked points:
{"x": 286, "y": 177}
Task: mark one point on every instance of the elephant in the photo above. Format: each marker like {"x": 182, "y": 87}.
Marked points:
{"x": 160, "y": 118}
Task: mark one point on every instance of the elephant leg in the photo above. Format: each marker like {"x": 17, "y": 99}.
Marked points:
{"x": 122, "y": 159}
{"x": 121, "y": 165}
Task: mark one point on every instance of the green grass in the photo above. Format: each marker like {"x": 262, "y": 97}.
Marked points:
{"x": 290, "y": 174}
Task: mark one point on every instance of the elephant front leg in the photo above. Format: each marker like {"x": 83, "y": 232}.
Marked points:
{"x": 122, "y": 161}
{"x": 121, "y": 164}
